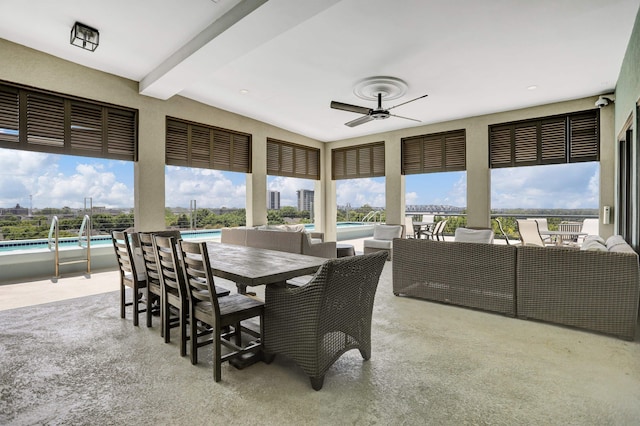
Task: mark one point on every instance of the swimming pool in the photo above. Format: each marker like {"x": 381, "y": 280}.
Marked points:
{"x": 345, "y": 231}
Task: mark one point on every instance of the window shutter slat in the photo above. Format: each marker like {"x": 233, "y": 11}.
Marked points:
{"x": 9, "y": 117}
{"x": 554, "y": 135}
{"x": 411, "y": 156}
{"x": 584, "y": 135}
{"x": 45, "y": 120}
{"x": 558, "y": 139}
{"x": 177, "y": 143}
{"x": 121, "y": 135}
{"x": 273, "y": 158}
{"x": 86, "y": 127}
{"x": 526, "y": 144}
{"x": 455, "y": 151}
{"x": 55, "y": 123}
{"x": 500, "y": 147}
{"x": 221, "y": 150}
{"x": 294, "y": 160}
{"x": 358, "y": 161}
{"x": 241, "y": 153}
{"x": 437, "y": 152}
{"x": 200, "y": 147}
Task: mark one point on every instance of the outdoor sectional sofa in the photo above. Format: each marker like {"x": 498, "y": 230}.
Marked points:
{"x": 592, "y": 290}
{"x": 285, "y": 238}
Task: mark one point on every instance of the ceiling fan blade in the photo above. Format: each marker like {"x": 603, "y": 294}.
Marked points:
{"x": 406, "y": 118}
{"x": 404, "y": 103}
{"x": 349, "y": 107}
{"x": 359, "y": 121}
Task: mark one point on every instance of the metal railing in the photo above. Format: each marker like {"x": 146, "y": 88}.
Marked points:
{"x": 84, "y": 241}
{"x": 373, "y": 216}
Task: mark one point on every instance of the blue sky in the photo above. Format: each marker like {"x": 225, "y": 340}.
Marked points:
{"x": 57, "y": 181}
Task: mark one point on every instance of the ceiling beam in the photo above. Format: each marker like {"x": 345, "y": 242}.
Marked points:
{"x": 233, "y": 35}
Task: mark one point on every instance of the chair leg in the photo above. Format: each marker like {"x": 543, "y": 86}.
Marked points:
{"x": 166, "y": 326}
{"x": 268, "y": 358}
{"x": 122, "y": 300}
{"x": 217, "y": 363}
{"x": 317, "y": 382}
{"x": 136, "y": 306}
{"x": 183, "y": 332}
{"x": 193, "y": 339}
{"x": 365, "y": 354}
{"x": 150, "y": 297}
{"x": 238, "y": 334}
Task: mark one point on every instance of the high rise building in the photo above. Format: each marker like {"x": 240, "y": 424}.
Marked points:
{"x": 273, "y": 200}
{"x": 305, "y": 199}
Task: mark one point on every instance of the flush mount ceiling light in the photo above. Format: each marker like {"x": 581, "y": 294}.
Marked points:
{"x": 84, "y": 36}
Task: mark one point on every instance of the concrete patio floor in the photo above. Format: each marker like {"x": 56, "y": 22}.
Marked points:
{"x": 68, "y": 358}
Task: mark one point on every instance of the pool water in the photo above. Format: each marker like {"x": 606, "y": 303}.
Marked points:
{"x": 104, "y": 240}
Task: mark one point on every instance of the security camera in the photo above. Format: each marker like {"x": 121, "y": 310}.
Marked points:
{"x": 605, "y": 100}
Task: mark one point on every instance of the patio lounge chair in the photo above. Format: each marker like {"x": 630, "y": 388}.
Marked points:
{"x": 529, "y": 233}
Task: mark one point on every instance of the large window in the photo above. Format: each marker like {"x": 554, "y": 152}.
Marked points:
{"x": 35, "y": 186}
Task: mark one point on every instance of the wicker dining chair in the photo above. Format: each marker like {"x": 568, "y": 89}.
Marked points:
{"x": 218, "y": 313}
{"x": 132, "y": 275}
{"x": 316, "y": 323}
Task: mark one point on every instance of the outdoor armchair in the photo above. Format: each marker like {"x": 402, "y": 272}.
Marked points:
{"x": 316, "y": 323}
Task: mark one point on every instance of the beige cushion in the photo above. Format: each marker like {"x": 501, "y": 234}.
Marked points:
{"x": 594, "y": 238}
{"x": 615, "y": 240}
{"x": 377, "y": 244}
{"x": 593, "y": 245}
{"x": 387, "y": 232}
{"x": 466, "y": 235}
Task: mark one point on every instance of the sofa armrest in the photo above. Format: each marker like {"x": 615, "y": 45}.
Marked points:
{"x": 318, "y": 235}
{"x": 326, "y": 249}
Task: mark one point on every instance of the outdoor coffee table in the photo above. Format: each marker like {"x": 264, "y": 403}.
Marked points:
{"x": 344, "y": 250}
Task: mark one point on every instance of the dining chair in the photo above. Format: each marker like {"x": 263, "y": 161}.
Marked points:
{"x": 174, "y": 290}
{"x": 316, "y": 323}
{"x": 568, "y": 226}
{"x": 543, "y": 226}
{"x": 154, "y": 288}
{"x": 132, "y": 275}
{"x": 426, "y": 230}
{"x": 529, "y": 233}
{"x": 409, "y": 228}
{"x": 216, "y": 312}
{"x": 504, "y": 234}
{"x": 438, "y": 230}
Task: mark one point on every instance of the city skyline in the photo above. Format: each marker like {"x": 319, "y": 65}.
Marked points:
{"x": 59, "y": 181}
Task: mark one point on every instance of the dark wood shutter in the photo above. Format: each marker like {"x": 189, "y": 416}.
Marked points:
{"x": 584, "y": 134}
{"x": 360, "y": 161}
{"x": 436, "y": 152}
{"x": 292, "y": 160}
{"x": 33, "y": 120}
{"x": 9, "y": 116}
{"x": 207, "y": 147}
{"x": 557, "y": 139}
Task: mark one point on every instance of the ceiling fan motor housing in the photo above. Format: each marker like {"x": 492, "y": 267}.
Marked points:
{"x": 380, "y": 114}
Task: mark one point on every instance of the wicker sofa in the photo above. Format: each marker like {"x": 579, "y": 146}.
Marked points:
{"x": 291, "y": 241}
{"x": 476, "y": 275}
{"x": 592, "y": 290}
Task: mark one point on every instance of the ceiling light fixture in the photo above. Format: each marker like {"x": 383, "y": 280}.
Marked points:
{"x": 244, "y": 91}
{"x": 84, "y": 36}
{"x": 534, "y": 87}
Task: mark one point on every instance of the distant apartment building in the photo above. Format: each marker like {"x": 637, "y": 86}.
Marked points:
{"x": 273, "y": 200}
{"x": 305, "y": 199}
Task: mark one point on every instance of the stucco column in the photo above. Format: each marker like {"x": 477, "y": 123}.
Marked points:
{"x": 608, "y": 153}
{"x": 256, "y": 202}
{"x": 478, "y": 176}
{"x": 330, "y": 207}
{"x": 149, "y": 171}
{"x": 394, "y": 182}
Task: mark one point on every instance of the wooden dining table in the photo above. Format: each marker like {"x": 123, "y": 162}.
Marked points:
{"x": 250, "y": 266}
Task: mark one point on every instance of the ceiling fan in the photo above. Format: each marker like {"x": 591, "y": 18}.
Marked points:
{"x": 378, "y": 113}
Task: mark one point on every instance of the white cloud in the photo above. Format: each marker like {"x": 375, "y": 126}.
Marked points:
{"x": 210, "y": 188}
{"x": 52, "y": 184}
{"x": 359, "y": 192}
{"x": 568, "y": 186}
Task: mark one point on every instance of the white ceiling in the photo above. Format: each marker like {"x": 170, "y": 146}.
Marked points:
{"x": 295, "y": 56}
